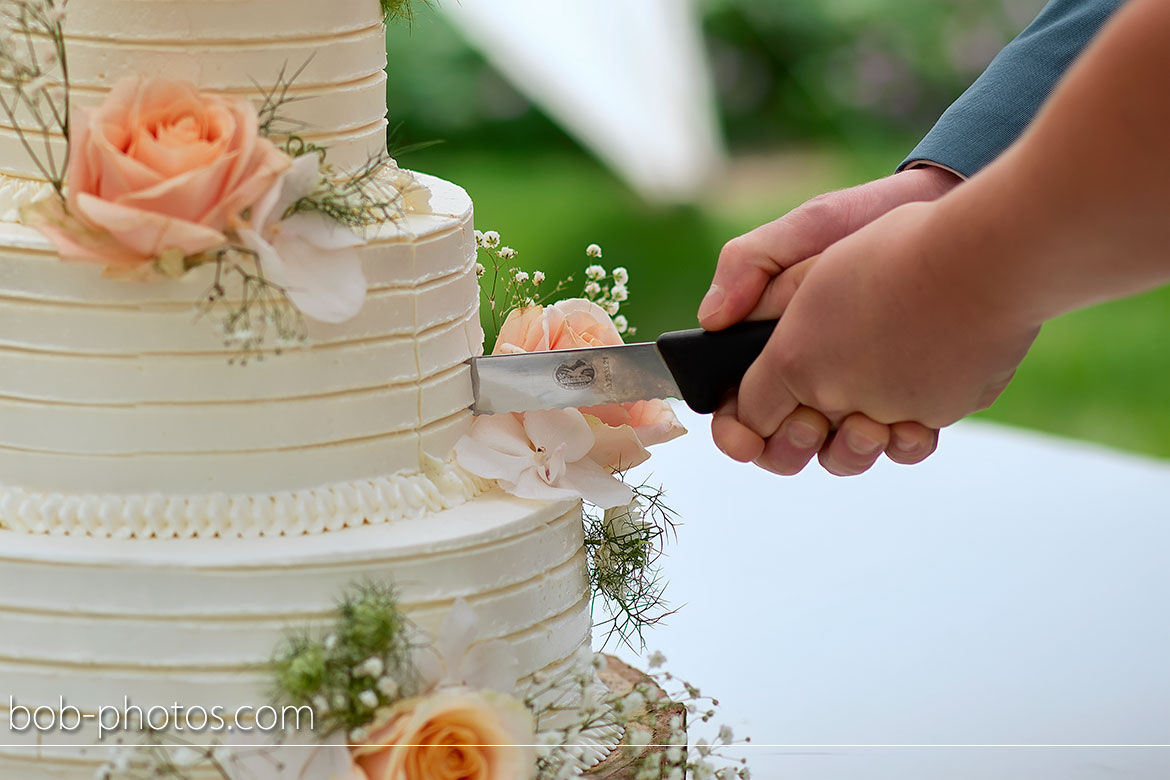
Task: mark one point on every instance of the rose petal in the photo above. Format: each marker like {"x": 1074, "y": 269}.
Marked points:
{"x": 189, "y": 196}
{"x": 146, "y": 233}
{"x": 654, "y": 421}
{"x": 616, "y": 447}
{"x": 74, "y": 241}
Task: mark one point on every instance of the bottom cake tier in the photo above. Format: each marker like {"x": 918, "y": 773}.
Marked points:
{"x": 96, "y": 623}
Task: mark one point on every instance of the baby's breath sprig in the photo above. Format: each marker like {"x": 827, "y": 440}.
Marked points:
{"x": 358, "y": 199}
{"x": 652, "y": 713}
{"x": 608, "y": 290}
{"x": 505, "y": 286}
{"x": 623, "y": 546}
{"x": 37, "y": 81}
{"x": 254, "y": 313}
{"x": 363, "y": 664}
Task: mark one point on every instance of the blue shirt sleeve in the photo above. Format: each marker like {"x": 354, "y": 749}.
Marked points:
{"x": 993, "y": 112}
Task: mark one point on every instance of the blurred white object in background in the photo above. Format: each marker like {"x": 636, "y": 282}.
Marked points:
{"x": 628, "y": 78}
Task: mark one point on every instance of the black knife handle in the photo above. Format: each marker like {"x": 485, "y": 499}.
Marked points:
{"x": 707, "y": 365}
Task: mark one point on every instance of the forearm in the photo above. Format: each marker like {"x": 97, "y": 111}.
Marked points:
{"x": 996, "y": 109}
{"x": 1078, "y": 211}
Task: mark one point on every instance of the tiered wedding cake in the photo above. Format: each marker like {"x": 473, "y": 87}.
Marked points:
{"x": 164, "y": 515}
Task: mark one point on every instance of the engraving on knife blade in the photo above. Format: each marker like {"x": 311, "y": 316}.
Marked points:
{"x": 575, "y": 375}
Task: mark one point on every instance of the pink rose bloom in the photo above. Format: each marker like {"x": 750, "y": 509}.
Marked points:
{"x": 622, "y": 432}
{"x": 158, "y": 167}
{"x": 568, "y": 324}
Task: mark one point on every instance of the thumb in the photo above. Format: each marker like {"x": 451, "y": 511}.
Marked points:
{"x": 780, "y": 290}
{"x": 749, "y": 264}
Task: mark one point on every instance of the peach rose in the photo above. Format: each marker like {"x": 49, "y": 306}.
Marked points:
{"x": 568, "y": 324}
{"x": 622, "y": 431}
{"x": 653, "y": 421}
{"x": 158, "y": 167}
{"x": 451, "y": 735}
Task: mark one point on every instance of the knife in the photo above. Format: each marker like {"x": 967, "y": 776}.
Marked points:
{"x": 697, "y": 366}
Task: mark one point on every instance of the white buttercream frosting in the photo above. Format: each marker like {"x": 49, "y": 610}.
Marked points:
{"x": 195, "y": 621}
{"x": 242, "y": 47}
{"x": 440, "y": 486}
{"x": 113, "y": 388}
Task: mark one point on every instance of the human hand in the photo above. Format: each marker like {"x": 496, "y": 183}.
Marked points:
{"x": 882, "y": 324}
{"x": 757, "y": 274}
{"x": 747, "y": 282}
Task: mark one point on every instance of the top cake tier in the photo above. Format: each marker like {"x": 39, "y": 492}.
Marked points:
{"x": 245, "y": 47}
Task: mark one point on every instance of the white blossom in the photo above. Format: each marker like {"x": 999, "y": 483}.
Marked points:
{"x": 639, "y": 737}
{"x": 657, "y": 660}
{"x": 372, "y": 667}
{"x": 612, "y": 308}
{"x": 368, "y": 699}
{"x": 522, "y": 277}
{"x": 491, "y": 239}
{"x": 595, "y": 272}
{"x": 507, "y": 252}
{"x": 621, "y": 323}
{"x": 621, "y": 276}
{"x": 388, "y": 686}
{"x": 593, "y": 250}
{"x": 726, "y": 734}
{"x": 538, "y": 277}
{"x": 479, "y": 270}
{"x": 619, "y": 292}
{"x": 592, "y": 289}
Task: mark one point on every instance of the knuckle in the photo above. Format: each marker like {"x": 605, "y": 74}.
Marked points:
{"x": 734, "y": 252}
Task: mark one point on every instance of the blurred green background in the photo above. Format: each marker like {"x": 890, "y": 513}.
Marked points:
{"x": 814, "y": 95}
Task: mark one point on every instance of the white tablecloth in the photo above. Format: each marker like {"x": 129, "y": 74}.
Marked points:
{"x": 1012, "y": 591}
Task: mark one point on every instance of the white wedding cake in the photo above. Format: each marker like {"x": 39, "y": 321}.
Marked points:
{"x": 165, "y": 514}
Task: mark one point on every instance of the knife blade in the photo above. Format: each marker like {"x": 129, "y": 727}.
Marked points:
{"x": 696, "y": 366}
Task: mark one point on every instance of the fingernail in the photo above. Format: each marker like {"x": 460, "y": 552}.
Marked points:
{"x": 712, "y": 302}
{"x": 905, "y": 445}
{"x": 862, "y": 444}
{"x": 802, "y": 435}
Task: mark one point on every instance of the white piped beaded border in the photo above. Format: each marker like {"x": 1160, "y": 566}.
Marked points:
{"x": 437, "y": 486}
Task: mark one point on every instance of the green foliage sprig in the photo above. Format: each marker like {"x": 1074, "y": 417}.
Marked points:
{"x": 362, "y": 664}
{"x": 624, "y": 546}
{"x": 393, "y": 10}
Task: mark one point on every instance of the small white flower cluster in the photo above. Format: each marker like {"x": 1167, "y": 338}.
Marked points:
{"x": 504, "y": 285}
{"x": 609, "y": 291}
{"x": 574, "y": 706}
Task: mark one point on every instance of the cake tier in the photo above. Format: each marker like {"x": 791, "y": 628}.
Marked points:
{"x": 246, "y": 47}
{"x": 118, "y": 407}
{"x": 195, "y": 621}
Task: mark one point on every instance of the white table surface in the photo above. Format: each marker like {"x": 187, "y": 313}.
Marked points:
{"x": 1013, "y": 591}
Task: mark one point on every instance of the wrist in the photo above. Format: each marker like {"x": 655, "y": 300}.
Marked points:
{"x": 931, "y": 181}
{"x": 973, "y": 273}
